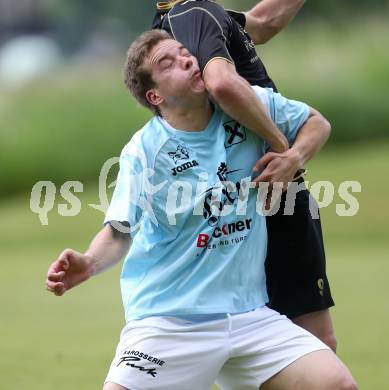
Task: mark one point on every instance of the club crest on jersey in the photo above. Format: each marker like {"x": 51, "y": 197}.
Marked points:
{"x": 181, "y": 154}
{"x": 235, "y": 133}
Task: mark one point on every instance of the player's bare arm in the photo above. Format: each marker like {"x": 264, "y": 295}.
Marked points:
{"x": 269, "y": 17}
{"x": 235, "y": 96}
{"x": 281, "y": 167}
{"x": 72, "y": 267}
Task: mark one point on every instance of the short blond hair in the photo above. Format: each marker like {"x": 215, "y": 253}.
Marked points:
{"x": 137, "y": 73}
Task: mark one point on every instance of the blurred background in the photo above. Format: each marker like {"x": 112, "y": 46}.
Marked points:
{"x": 64, "y": 111}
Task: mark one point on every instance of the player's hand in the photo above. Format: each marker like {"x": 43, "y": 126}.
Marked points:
{"x": 277, "y": 168}
{"x": 70, "y": 269}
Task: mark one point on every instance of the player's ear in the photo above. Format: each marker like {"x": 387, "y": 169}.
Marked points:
{"x": 153, "y": 97}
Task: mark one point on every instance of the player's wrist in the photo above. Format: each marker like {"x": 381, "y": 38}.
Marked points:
{"x": 280, "y": 143}
{"x": 91, "y": 264}
{"x": 296, "y": 158}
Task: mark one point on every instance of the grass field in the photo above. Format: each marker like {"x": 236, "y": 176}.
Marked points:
{"x": 67, "y": 343}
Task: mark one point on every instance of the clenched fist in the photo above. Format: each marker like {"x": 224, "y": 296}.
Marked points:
{"x": 70, "y": 269}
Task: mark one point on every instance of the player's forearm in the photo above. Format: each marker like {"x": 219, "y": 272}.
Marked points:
{"x": 241, "y": 103}
{"x": 236, "y": 98}
{"x": 107, "y": 248}
{"x": 311, "y": 137}
{"x": 269, "y": 17}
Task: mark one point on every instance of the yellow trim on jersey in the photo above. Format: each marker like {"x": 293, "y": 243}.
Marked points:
{"x": 165, "y": 5}
{"x": 300, "y": 173}
{"x": 217, "y": 58}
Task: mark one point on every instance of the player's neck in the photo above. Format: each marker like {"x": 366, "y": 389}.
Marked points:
{"x": 195, "y": 118}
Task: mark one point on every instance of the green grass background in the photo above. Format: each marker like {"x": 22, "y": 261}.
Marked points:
{"x": 67, "y": 343}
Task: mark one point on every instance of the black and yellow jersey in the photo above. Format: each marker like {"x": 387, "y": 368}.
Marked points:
{"x": 208, "y": 31}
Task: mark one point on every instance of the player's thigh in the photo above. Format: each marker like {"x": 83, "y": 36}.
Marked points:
{"x": 300, "y": 285}
{"x": 320, "y": 370}
{"x": 263, "y": 348}
{"x": 319, "y": 323}
{"x": 114, "y": 386}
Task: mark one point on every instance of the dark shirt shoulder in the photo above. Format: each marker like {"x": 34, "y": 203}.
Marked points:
{"x": 209, "y": 31}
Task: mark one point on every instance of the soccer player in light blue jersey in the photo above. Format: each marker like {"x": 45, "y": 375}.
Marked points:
{"x": 193, "y": 281}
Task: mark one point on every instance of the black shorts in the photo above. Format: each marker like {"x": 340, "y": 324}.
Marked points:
{"x": 297, "y": 283}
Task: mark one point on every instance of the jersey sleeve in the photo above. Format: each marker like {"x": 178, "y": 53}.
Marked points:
{"x": 203, "y": 30}
{"x": 126, "y": 202}
{"x": 289, "y": 115}
{"x": 239, "y": 17}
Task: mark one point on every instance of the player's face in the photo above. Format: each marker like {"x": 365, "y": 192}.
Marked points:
{"x": 175, "y": 71}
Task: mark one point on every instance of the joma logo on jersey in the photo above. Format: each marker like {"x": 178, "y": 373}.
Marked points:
{"x": 184, "y": 167}
{"x": 180, "y": 154}
{"x": 224, "y": 231}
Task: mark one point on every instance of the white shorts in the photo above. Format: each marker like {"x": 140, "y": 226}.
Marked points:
{"x": 239, "y": 351}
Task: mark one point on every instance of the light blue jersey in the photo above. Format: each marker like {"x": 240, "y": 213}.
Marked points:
{"x": 191, "y": 255}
